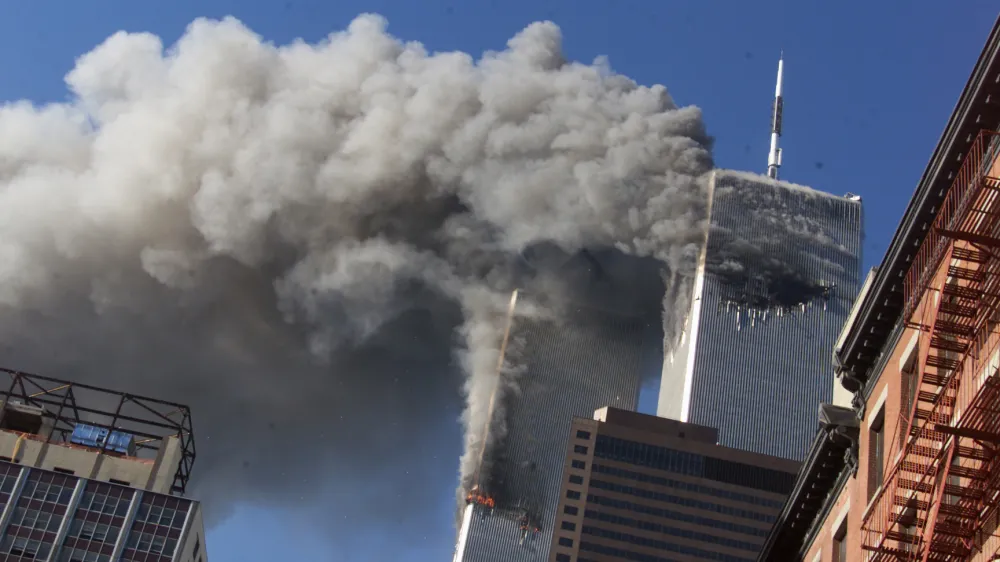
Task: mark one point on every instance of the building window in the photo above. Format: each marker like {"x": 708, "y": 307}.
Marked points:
{"x": 876, "y": 453}
{"x": 909, "y": 382}
{"x": 573, "y": 495}
{"x": 105, "y": 499}
{"x": 840, "y": 543}
{"x": 581, "y": 434}
{"x": 22, "y": 547}
{"x": 579, "y": 464}
{"x": 568, "y": 526}
{"x": 563, "y": 541}
{"x": 49, "y": 487}
{"x": 90, "y": 531}
{"x": 563, "y": 558}
{"x": 62, "y": 470}
{"x": 908, "y": 527}
{"x": 35, "y": 519}
{"x": 693, "y": 464}
{"x": 580, "y": 449}
{"x": 158, "y": 522}
{"x": 81, "y": 555}
{"x": 570, "y": 510}
{"x": 574, "y": 479}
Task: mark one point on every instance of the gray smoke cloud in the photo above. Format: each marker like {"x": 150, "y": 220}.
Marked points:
{"x": 314, "y": 245}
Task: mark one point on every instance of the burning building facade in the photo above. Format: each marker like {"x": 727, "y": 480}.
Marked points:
{"x": 774, "y": 285}
{"x": 94, "y": 475}
{"x": 776, "y": 279}
{"x": 594, "y": 353}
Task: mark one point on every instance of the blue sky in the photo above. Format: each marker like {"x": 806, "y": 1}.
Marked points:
{"x": 868, "y": 88}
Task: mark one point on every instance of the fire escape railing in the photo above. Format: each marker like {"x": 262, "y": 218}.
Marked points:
{"x": 953, "y": 209}
{"x": 939, "y": 488}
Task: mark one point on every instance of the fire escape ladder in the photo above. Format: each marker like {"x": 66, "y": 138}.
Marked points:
{"x": 977, "y": 423}
{"x": 932, "y": 499}
{"x": 916, "y": 523}
{"x": 969, "y": 300}
{"x": 894, "y": 526}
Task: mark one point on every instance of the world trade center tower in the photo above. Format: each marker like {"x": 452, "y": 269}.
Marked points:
{"x": 595, "y": 352}
{"x": 775, "y": 283}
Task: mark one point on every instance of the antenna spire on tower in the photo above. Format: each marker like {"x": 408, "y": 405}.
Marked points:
{"x": 774, "y": 157}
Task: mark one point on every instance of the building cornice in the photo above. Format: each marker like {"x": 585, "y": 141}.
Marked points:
{"x": 831, "y": 459}
{"x": 978, "y": 108}
{"x": 868, "y": 340}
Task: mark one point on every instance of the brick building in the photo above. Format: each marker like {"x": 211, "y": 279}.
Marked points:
{"x": 909, "y": 470}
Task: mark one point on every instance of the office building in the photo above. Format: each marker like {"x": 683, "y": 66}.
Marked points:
{"x": 571, "y": 365}
{"x": 774, "y": 285}
{"x": 93, "y": 475}
{"x": 911, "y": 471}
{"x": 639, "y": 487}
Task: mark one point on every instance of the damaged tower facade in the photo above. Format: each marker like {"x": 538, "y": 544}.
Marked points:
{"x": 775, "y": 284}
{"x": 94, "y": 475}
{"x": 595, "y": 353}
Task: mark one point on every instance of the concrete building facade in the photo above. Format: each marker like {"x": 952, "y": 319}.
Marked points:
{"x": 909, "y": 470}
{"x": 776, "y": 281}
{"x": 640, "y": 487}
{"x": 92, "y": 475}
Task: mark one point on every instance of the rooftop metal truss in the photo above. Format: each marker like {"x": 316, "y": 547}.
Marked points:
{"x": 67, "y": 404}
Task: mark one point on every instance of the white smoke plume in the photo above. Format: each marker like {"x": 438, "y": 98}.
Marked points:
{"x": 312, "y": 245}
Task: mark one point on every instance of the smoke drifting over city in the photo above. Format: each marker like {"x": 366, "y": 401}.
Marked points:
{"x": 314, "y": 245}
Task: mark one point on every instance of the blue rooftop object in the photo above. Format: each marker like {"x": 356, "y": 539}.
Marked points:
{"x": 99, "y": 437}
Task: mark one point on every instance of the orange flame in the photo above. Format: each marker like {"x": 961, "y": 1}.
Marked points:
{"x": 481, "y": 499}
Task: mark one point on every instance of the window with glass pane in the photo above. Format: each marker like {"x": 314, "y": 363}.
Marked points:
{"x": 876, "y": 453}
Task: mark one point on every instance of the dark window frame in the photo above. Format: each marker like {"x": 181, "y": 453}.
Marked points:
{"x": 839, "y": 546}
{"x": 909, "y": 382}
{"x": 876, "y": 452}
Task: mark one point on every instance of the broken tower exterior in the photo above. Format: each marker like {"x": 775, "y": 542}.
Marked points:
{"x": 568, "y": 366}
{"x": 774, "y": 286}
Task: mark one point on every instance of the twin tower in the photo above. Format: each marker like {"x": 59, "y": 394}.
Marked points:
{"x": 743, "y": 344}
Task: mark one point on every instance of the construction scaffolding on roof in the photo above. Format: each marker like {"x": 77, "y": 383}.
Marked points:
{"x": 107, "y": 421}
